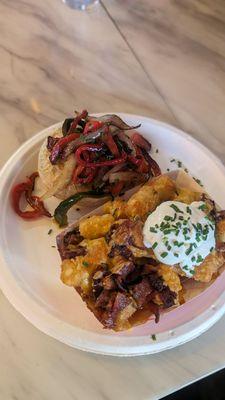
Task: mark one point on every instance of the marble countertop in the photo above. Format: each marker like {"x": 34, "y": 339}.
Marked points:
{"x": 161, "y": 59}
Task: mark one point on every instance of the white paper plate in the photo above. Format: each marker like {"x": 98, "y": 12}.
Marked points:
{"x": 30, "y": 266}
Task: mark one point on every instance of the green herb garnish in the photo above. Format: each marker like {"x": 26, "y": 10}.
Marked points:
{"x": 175, "y": 208}
{"x": 154, "y": 245}
{"x": 164, "y": 254}
{"x": 202, "y": 207}
{"x": 85, "y": 264}
{"x": 199, "y": 259}
{"x": 153, "y": 337}
{"x": 189, "y": 210}
{"x": 50, "y": 231}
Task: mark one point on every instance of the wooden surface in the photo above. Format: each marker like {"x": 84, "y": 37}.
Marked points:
{"x": 164, "y": 59}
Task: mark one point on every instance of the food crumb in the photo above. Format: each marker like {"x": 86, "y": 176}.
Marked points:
{"x": 198, "y": 181}
{"x": 50, "y": 231}
{"x": 157, "y": 150}
{"x": 77, "y": 209}
{"x": 168, "y": 169}
{"x": 153, "y": 337}
{"x": 53, "y": 246}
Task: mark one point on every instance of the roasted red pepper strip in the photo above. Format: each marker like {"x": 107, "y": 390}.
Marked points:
{"x": 92, "y": 126}
{"x": 26, "y": 188}
{"x": 134, "y": 160}
{"x": 110, "y": 143}
{"x": 117, "y": 188}
{"x": 88, "y": 172}
{"x": 140, "y": 141}
{"x": 76, "y": 121}
{"x": 97, "y": 147}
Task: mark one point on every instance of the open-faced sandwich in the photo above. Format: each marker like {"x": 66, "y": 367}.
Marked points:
{"x": 133, "y": 259}
{"x": 88, "y": 157}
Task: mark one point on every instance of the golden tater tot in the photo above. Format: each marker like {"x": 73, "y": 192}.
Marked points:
{"x": 117, "y": 208}
{"x": 170, "y": 277}
{"x": 221, "y": 231}
{"x": 187, "y": 196}
{"x": 96, "y": 226}
{"x": 204, "y": 272}
{"x": 78, "y": 272}
{"x": 150, "y": 196}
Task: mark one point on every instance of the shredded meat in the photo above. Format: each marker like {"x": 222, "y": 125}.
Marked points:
{"x": 220, "y": 215}
{"x": 120, "y": 250}
{"x": 168, "y": 297}
{"x": 141, "y": 292}
{"x": 73, "y": 237}
{"x": 77, "y": 251}
{"x": 156, "y": 282}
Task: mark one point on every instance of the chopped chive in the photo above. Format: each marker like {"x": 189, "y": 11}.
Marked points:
{"x": 173, "y": 160}
{"x": 187, "y": 237}
{"x": 186, "y": 170}
{"x": 198, "y": 181}
{"x": 53, "y": 247}
{"x": 193, "y": 258}
{"x": 192, "y": 271}
{"x": 85, "y": 264}
{"x": 199, "y": 258}
{"x": 154, "y": 245}
{"x": 189, "y": 210}
{"x": 153, "y": 337}
{"x": 175, "y": 254}
{"x": 167, "y": 169}
{"x": 212, "y": 248}
{"x": 194, "y": 226}
{"x": 164, "y": 254}
{"x": 174, "y": 218}
{"x": 185, "y": 267}
{"x": 185, "y": 231}
{"x": 175, "y": 208}
{"x": 157, "y": 150}
{"x": 189, "y": 250}
{"x": 202, "y": 207}
{"x": 168, "y": 231}
{"x": 181, "y": 218}
{"x": 198, "y": 237}
{"x": 167, "y": 218}
{"x": 153, "y": 230}
{"x": 50, "y": 231}
{"x": 169, "y": 247}
{"x": 179, "y": 163}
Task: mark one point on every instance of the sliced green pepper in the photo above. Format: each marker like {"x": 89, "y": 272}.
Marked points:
{"x": 60, "y": 213}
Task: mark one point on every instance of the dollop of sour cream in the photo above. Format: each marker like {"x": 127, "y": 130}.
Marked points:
{"x": 180, "y": 234}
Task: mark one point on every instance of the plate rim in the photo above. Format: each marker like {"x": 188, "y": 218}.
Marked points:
{"x": 150, "y": 348}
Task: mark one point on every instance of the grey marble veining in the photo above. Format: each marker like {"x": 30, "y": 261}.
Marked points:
{"x": 181, "y": 46}
{"x": 36, "y": 366}
{"x": 164, "y": 59}
{"x": 54, "y": 60}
